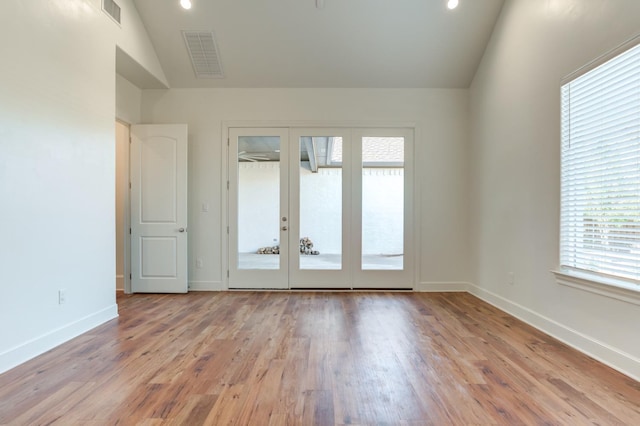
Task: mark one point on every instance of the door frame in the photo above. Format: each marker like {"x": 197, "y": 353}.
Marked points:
{"x": 389, "y": 125}
{"x": 126, "y": 207}
{"x": 258, "y": 278}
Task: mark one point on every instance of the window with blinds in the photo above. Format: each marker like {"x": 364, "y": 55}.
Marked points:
{"x": 600, "y": 192}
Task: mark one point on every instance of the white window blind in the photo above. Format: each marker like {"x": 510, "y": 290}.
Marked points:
{"x": 600, "y": 192}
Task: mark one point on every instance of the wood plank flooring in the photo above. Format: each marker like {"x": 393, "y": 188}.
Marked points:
{"x": 304, "y": 358}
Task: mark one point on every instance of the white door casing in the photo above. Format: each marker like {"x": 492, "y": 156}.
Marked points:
{"x": 158, "y": 170}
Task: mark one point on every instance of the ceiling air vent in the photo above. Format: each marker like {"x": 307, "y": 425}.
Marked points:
{"x": 112, "y": 9}
{"x": 204, "y": 54}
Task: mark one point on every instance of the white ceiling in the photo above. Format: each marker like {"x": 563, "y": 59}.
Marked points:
{"x": 347, "y": 43}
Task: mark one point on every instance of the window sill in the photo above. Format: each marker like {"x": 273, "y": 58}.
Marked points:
{"x": 614, "y": 289}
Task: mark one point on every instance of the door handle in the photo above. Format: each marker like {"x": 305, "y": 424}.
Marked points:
{"x": 182, "y": 230}
{"x": 284, "y": 228}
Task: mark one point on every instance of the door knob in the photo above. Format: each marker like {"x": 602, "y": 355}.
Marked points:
{"x": 284, "y": 228}
{"x": 284, "y": 219}
{"x": 181, "y": 230}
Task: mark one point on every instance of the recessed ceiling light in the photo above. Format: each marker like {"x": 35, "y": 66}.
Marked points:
{"x": 452, "y": 4}
{"x": 186, "y": 4}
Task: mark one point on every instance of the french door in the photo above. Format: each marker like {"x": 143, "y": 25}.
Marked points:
{"x": 320, "y": 208}
{"x": 258, "y": 187}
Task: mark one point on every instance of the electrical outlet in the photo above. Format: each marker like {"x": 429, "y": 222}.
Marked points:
{"x": 62, "y": 297}
{"x": 511, "y": 278}
{"x": 199, "y": 263}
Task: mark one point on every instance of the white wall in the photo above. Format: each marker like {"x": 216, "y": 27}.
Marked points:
{"x": 131, "y": 36}
{"x": 441, "y": 151}
{"x": 57, "y": 172}
{"x": 515, "y": 143}
{"x": 258, "y": 206}
{"x": 128, "y": 101}
{"x": 382, "y": 211}
{"x": 321, "y": 208}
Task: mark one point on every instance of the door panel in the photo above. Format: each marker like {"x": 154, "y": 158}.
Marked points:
{"x": 320, "y": 199}
{"x": 258, "y": 206}
{"x": 159, "y": 255}
{"x": 159, "y": 208}
{"x": 383, "y": 208}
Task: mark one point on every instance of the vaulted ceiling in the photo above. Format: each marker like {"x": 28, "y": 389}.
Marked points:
{"x": 343, "y": 43}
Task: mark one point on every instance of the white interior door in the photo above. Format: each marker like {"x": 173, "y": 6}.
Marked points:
{"x": 259, "y": 208}
{"x": 158, "y": 170}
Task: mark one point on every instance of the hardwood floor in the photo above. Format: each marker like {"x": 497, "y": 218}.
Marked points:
{"x": 258, "y": 358}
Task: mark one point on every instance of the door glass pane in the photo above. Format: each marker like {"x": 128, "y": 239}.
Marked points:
{"x": 258, "y": 202}
{"x": 320, "y": 202}
{"x": 382, "y": 203}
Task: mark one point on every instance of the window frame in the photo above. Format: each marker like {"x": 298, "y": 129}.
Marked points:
{"x": 620, "y": 288}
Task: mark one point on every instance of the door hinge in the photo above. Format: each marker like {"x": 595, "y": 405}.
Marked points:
{"x": 227, "y": 273}
{"x": 227, "y": 229}
{"x": 227, "y": 185}
{"x": 130, "y": 276}
{"x": 227, "y": 141}
{"x": 129, "y": 185}
{"x": 129, "y": 231}
{"x": 129, "y": 139}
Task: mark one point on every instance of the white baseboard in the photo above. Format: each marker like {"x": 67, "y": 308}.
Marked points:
{"x": 34, "y": 347}
{"x": 614, "y": 358}
{"x": 440, "y": 287}
{"x": 206, "y": 286}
